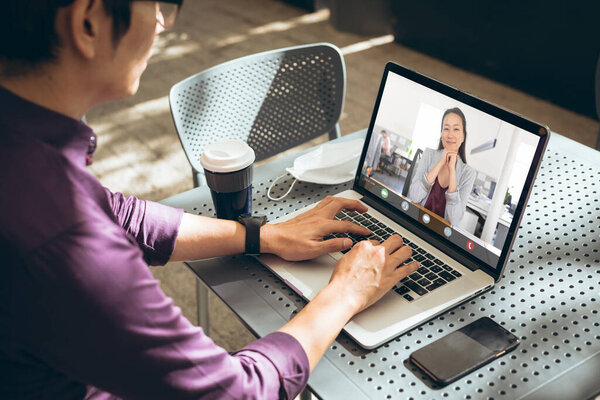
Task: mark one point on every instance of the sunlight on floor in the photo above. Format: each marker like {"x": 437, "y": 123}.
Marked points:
{"x": 367, "y": 44}
{"x": 135, "y": 113}
{"x": 279, "y": 26}
{"x": 172, "y": 45}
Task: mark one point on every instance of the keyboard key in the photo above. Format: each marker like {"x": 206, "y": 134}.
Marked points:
{"x": 372, "y": 227}
{"x": 427, "y": 263}
{"x": 421, "y": 251}
{"x": 389, "y": 230}
{"x": 447, "y": 276}
{"x": 440, "y": 281}
{"x": 431, "y": 276}
{"x": 436, "y": 284}
{"x": 404, "y": 280}
{"x": 433, "y": 286}
{"x": 415, "y": 276}
{"x": 408, "y": 297}
{"x": 436, "y": 269}
{"x": 386, "y": 235}
{"x": 424, "y": 282}
{"x": 357, "y": 237}
{"x": 418, "y": 257}
{"x": 421, "y": 270}
{"x": 381, "y": 225}
{"x": 456, "y": 273}
{"x": 415, "y": 287}
{"x": 412, "y": 246}
{"x": 380, "y": 232}
{"x": 438, "y": 262}
{"x": 447, "y": 267}
{"x": 402, "y": 290}
{"x": 353, "y": 214}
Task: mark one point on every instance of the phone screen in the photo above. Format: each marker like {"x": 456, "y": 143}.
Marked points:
{"x": 464, "y": 350}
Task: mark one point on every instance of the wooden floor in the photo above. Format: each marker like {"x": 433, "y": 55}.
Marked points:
{"x": 139, "y": 152}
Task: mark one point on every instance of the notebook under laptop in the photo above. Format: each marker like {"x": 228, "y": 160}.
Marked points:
{"x": 463, "y": 247}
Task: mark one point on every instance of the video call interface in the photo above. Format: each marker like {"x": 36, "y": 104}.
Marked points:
{"x": 449, "y": 166}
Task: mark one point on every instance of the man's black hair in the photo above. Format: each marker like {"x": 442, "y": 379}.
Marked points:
{"x": 28, "y": 37}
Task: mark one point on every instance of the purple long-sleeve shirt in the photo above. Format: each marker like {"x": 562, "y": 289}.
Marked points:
{"x": 80, "y": 314}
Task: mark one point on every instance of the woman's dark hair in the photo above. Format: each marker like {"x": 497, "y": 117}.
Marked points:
{"x": 27, "y": 33}
{"x": 461, "y": 149}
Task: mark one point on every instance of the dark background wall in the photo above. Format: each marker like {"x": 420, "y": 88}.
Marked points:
{"x": 546, "y": 48}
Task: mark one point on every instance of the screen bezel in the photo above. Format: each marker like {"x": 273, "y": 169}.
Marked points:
{"x": 437, "y": 240}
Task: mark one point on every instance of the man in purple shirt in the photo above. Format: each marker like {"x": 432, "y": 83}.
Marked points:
{"x": 80, "y": 314}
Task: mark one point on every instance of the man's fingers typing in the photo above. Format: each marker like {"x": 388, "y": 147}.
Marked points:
{"x": 337, "y": 244}
{"x": 344, "y": 226}
{"x": 392, "y": 243}
{"x": 334, "y": 207}
{"x": 404, "y": 270}
{"x": 401, "y": 254}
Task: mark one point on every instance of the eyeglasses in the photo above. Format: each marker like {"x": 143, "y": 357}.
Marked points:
{"x": 167, "y": 11}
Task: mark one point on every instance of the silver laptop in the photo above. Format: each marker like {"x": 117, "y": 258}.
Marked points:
{"x": 462, "y": 245}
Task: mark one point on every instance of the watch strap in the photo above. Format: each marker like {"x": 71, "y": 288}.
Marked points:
{"x": 253, "y": 225}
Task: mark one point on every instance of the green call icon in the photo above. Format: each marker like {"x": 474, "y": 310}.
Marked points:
{"x": 384, "y": 193}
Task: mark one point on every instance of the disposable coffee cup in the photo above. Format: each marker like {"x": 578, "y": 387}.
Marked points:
{"x": 228, "y": 169}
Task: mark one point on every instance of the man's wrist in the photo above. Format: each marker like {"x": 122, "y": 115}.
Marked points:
{"x": 347, "y": 303}
{"x": 267, "y": 237}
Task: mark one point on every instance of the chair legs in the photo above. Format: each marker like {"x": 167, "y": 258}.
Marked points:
{"x": 335, "y": 132}
{"x": 202, "y": 303}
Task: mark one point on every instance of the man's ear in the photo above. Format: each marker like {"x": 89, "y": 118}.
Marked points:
{"x": 87, "y": 22}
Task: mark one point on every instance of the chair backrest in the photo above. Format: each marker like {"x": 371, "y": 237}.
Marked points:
{"x": 273, "y": 100}
{"x": 411, "y": 171}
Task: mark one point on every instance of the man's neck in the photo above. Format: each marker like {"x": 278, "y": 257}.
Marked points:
{"x": 46, "y": 88}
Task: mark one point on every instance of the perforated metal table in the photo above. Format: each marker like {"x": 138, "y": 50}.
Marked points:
{"x": 549, "y": 295}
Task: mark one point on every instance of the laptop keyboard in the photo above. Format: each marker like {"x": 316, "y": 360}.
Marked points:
{"x": 431, "y": 275}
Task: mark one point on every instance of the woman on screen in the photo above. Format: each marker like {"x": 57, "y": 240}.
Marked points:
{"x": 442, "y": 180}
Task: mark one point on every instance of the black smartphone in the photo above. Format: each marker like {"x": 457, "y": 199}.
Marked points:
{"x": 464, "y": 350}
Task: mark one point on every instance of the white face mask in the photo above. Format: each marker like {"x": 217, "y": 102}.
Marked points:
{"x": 329, "y": 164}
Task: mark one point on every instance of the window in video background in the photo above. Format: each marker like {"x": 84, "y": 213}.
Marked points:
{"x": 498, "y": 156}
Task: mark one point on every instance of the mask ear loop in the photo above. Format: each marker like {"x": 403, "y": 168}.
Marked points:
{"x": 286, "y": 193}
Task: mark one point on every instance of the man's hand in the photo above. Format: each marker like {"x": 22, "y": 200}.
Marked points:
{"x": 361, "y": 277}
{"x": 370, "y": 270}
{"x": 301, "y": 238}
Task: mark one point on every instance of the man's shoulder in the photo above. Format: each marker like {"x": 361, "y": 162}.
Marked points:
{"x": 41, "y": 193}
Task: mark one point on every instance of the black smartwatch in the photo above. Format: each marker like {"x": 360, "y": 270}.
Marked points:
{"x": 252, "y": 224}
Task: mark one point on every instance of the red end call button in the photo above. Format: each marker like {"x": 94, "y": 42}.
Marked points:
{"x": 470, "y": 245}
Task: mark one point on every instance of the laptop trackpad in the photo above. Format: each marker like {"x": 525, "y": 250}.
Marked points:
{"x": 306, "y": 277}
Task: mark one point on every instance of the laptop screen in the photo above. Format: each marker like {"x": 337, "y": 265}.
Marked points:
{"x": 452, "y": 165}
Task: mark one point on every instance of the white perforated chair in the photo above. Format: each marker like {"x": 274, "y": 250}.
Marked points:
{"x": 273, "y": 100}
